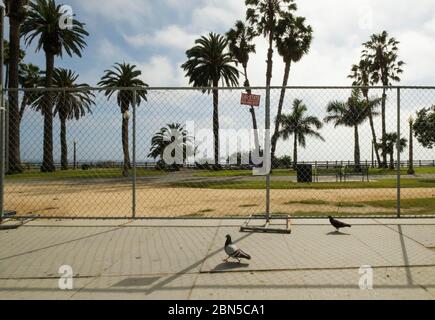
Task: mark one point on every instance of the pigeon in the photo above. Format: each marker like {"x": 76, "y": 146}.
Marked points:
{"x": 338, "y": 224}
{"x": 233, "y": 252}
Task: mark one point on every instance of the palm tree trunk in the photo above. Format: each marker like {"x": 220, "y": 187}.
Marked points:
{"x": 372, "y": 127}
{"x": 23, "y": 105}
{"x": 47, "y": 161}
{"x": 216, "y": 123}
{"x": 280, "y": 105}
{"x": 14, "y": 128}
{"x": 125, "y": 145}
{"x": 252, "y": 110}
{"x": 7, "y": 75}
{"x": 63, "y": 144}
{"x": 384, "y": 130}
{"x": 295, "y": 152}
{"x": 392, "y": 160}
{"x": 357, "y": 158}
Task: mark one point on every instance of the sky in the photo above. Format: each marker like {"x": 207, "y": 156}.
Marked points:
{"x": 154, "y": 35}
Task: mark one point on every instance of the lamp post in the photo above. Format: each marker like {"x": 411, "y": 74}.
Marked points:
{"x": 411, "y": 170}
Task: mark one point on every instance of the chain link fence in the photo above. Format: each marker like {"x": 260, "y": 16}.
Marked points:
{"x": 193, "y": 153}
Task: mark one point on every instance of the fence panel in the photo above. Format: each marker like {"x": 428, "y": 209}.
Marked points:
{"x": 176, "y": 174}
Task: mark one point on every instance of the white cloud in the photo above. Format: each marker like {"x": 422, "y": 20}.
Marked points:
{"x": 128, "y": 11}
{"x": 171, "y": 37}
{"x": 158, "y": 71}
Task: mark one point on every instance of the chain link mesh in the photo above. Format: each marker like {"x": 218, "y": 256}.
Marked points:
{"x": 97, "y": 176}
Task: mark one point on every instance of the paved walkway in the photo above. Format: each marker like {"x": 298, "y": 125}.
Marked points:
{"x": 182, "y": 259}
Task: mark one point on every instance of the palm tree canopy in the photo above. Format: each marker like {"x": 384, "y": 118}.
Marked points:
{"x": 172, "y": 133}
{"x": 124, "y": 75}
{"x": 42, "y": 22}
{"x": 352, "y": 112}
{"x": 6, "y": 57}
{"x": 391, "y": 142}
{"x": 300, "y": 124}
{"x": 208, "y": 62}
{"x": 240, "y": 42}
{"x": 70, "y": 104}
{"x": 264, "y": 14}
{"x": 29, "y": 76}
{"x": 293, "y": 38}
{"x": 382, "y": 52}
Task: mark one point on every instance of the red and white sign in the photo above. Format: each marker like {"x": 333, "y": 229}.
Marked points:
{"x": 250, "y": 100}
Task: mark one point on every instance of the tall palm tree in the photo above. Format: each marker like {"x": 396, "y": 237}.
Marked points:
{"x": 263, "y": 15}
{"x": 361, "y": 74}
{"x": 124, "y": 75}
{"x": 293, "y": 41}
{"x": 30, "y": 77}
{"x": 300, "y": 126}
{"x": 240, "y": 44}
{"x": 391, "y": 143}
{"x": 174, "y": 135}
{"x": 42, "y": 23}
{"x": 350, "y": 113}
{"x": 16, "y": 11}
{"x": 208, "y": 63}
{"x": 71, "y": 104}
{"x": 382, "y": 52}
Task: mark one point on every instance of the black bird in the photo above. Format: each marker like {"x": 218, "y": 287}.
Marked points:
{"x": 338, "y": 224}
{"x": 233, "y": 251}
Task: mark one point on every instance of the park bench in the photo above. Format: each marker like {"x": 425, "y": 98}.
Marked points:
{"x": 354, "y": 170}
{"x": 328, "y": 171}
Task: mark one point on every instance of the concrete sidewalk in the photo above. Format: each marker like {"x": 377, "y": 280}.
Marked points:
{"x": 182, "y": 259}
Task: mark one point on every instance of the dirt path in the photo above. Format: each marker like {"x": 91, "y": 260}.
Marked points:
{"x": 115, "y": 200}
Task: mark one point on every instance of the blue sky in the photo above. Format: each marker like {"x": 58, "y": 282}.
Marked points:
{"x": 154, "y": 35}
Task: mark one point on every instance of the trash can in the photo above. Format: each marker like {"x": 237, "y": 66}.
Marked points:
{"x": 304, "y": 173}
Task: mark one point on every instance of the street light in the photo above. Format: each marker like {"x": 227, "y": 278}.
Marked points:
{"x": 411, "y": 170}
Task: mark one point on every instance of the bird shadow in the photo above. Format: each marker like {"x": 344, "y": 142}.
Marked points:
{"x": 230, "y": 266}
{"x": 337, "y": 233}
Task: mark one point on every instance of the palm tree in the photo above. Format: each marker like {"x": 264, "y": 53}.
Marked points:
{"x": 42, "y": 22}
{"x": 382, "y": 52}
{"x": 124, "y": 76}
{"x": 391, "y": 143}
{"x": 29, "y": 77}
{"x": 209, "y": 62}
{"x": 71, "y": 104}
{"x": 16, "y": 11}
{"x": 263, "y": 15}
{"x": 361, "y": 74}
{"x": 240, "y": 44}
{"x": 300, "y": 126}
{"x": 293, "y": 41}
{"x": 175, "y": 136}
{"x": 350, "y": 113}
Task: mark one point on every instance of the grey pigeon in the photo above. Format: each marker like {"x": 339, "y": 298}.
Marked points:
{"x": 233, "y": 251}
{"x": 338, "y": 224}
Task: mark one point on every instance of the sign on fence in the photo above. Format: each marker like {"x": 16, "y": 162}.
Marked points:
{"x": 250, "y": 100}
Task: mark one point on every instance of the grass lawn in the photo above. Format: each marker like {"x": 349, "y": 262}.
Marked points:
{"x": 80, "y": 174}
{"x": 291, "y": 172}
{"x": 382, "y": 184}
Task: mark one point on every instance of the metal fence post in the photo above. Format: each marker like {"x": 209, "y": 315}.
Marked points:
{"x": 2, "y": 118}
{"x": 398, "y": 153}
{"x": 134, "y": 155}
{"x": 267, "y": 150}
